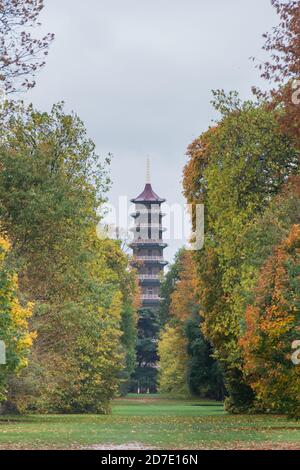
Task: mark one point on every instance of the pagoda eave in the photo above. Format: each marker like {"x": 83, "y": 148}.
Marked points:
{"x": 138, "y": 261}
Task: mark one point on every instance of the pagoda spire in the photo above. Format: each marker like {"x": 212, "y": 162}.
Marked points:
{"x": 148, "y": 173}
{"x": 148, "y": 195}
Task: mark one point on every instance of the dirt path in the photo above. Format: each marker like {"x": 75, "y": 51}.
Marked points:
{"x": 127, "y": 446}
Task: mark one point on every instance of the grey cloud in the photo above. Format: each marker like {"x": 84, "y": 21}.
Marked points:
{"x": 140, "y": 75}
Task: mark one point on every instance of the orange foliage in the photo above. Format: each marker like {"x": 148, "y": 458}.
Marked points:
{"x": 272, "y": 324}
{"x": 193, "y": 178}
{"x": 184, "y": 300}
{"x": 284, "y": 45}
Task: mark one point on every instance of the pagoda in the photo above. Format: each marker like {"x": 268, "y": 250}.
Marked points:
{"x": 148, "y": 244}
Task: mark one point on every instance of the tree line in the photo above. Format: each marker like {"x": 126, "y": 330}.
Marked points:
{"x": 243, "y": 287}
{"x": 68, "y": 299}
{"x": 80, "y": 296}
{"x": 69, "y": 302}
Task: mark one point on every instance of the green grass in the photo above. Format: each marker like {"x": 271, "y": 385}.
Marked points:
{"x": 159, "y": 422}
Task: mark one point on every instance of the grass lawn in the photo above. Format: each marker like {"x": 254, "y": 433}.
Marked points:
{"x": 155, "y": 422}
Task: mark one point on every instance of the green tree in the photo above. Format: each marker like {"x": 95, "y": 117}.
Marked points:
{"x": 51, "y": 184}
{"x": 202, "y": 375}
{"x": 145, "y": 375}
{"x": 168, "y": 286}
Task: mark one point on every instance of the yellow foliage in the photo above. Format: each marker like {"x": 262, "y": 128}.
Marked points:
{"x": 172, "y": 350}
{"x": 14, "y": 328}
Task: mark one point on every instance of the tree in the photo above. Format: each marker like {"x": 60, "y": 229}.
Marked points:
{"x": 51, "y": 185}
{"x": 282, "y": 70}
{"x": 14, "y": 329}
{"x": 184, "y": 299}
{"x": 129, "y": 318}
{"x": 145, "y": 376}
{"x": 173, "y": 363}
{"x": 168, "y": 286}
{"x": 21, "y": 54}
{"x": 261, "y": 237}
{"x": 272, "y": 324}
{"x": 245, "y": 162}
{"x": 202, "y": 375}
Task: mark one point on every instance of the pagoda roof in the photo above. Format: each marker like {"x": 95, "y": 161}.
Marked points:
{"x": 148, "y": 195}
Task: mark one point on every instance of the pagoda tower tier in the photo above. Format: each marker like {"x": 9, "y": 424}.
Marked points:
{"x": 148, "y": 244}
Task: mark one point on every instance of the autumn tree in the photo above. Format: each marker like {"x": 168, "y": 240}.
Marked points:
{"x": 239, "y": 167}
{"x": 173, "y": 344}
{"x": 14, "y": 328}
{"x": 168, "y": 286}
{"x": 51, "y": 185}
{"x": 282, "y": 69}
{"x": 266, "y": 231}
{"x": 129, "y": 317}
{"x": 184, "y": 300}
{"x": 21, "y": 53}
{"x": 173, "y": 365}
{"x": 200, "y": 373}
{"x": 272, "y": 324}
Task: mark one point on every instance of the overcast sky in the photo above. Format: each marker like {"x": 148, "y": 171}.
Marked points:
{"x": 140, "y": 74}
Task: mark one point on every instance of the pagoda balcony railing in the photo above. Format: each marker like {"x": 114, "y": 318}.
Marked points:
{"x": 151, "y": 225}
{"x": 143, "y": 277}
{"x": 151, "y": 241}
{"x": 147, "y": 226}
{"x": 153, "y": 212}
{"x": 150, "y": 297}
{"x": 148, "y": 258}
